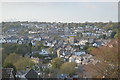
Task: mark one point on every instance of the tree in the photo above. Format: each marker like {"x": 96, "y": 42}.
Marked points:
{"x": 91, "y": 48}
{"x": 35, "y": 55}
{"x": 50, "y": 50}
{"x": 57, "y": 62}
{"x": 24, "y": 62}
{"x": 10, "y": 65}
{"x": 113, "y": 34}
{"x": 68, "y": 68}
{"x": 16, "y": 48}
{"x": 51, "y": 55}
{"x": 23, "y": 49}
{"x": 8, "y": 48}
{"x": 30, "y": 47}
{"x": 18, "y": 61}
{"x": 116, "y": 35}
{"x": 12, "y": 58}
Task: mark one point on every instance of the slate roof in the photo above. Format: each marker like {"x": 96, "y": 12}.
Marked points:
{"x": 32, "y": 74}
{"x": 7, "y": 73}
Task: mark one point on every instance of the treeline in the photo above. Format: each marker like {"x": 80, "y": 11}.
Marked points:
{"x": 13, "y": 56}
{"x": 17, "y": 62}
{"x": 105, "y": 25}
{"x": 21, "y": 49}
{"x": 59, "y": 66}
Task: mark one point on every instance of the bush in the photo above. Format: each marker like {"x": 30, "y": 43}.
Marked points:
{"x": 57, "y": 62}
{"x": 68, "y": 68}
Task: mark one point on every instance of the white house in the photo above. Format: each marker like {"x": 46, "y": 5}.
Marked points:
{"x": 83, "y": 42}
{"x": 79, "y": 53}
{"x": 33, "y": 43}
{"x": 37, "y": 39}
{"x": 75, "y": 59}
{"x": 43, "y": 52}
{"x": 72, "y": 59}
{"x": 48, "y": 44}
{"x": 98, "y": 44}
{"x": 10, "y": 40}
{"x": 49, "y": 65}
{"x": 95, "y": 45}
{"x": 2, "y": 40}
{"x": 78, "y": 60}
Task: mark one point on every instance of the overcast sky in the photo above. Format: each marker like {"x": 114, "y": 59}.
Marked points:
{"x": 60, "y": 11}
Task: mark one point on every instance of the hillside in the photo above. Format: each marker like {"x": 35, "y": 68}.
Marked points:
{"x": 108, "y": 65}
